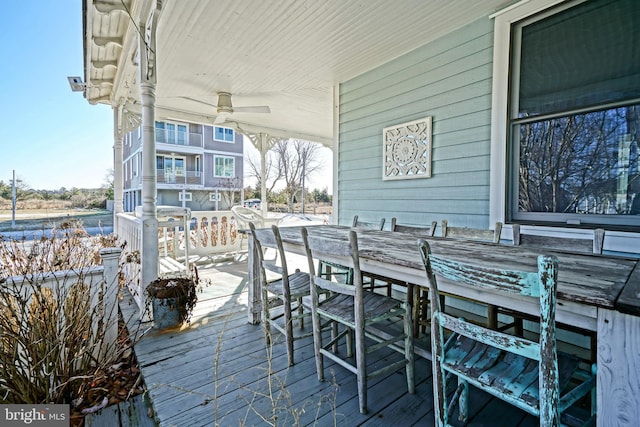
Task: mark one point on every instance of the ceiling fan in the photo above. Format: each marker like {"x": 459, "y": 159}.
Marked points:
{"x": 225, "y": 108}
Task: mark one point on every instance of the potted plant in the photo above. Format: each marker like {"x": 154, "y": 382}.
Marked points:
{"x": 172, "y": 299}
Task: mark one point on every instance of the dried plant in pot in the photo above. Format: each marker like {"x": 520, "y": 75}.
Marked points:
{"x": 172, "y": 300}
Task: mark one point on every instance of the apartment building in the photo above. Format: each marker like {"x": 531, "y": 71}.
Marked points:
{"x": 197, "y": 166}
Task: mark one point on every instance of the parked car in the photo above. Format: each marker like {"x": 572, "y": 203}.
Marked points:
{"x": 252, "y": 203}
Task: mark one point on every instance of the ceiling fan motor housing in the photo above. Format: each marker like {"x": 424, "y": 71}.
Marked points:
{"x": 224, "y": 103}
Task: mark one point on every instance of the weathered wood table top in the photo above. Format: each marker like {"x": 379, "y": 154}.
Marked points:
{"x": 585, "y": 279}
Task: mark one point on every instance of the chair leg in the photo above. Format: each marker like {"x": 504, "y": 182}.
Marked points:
{"x": 266, "y": 316}
{"x": 317, "y": 343}
{"x": 408, "y": 347}
{"x": 463, "y": 401}
{"x": 492, "y": 317}
{"x": 288, "y": 327}
{"x": 300, "y": 312}
{"x": 349, "y": 342}
{"x": 415, "y": 308}
{"x": 361, "y": 368}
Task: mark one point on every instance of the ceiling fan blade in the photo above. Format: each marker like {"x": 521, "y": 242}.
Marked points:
{"x": 256, "y": 109}
{"x": 198, "y": 101}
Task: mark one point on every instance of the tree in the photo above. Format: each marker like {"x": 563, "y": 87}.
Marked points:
{"x": 296, "y": 159}
{"x": 273, "y": 173}
{"x": 108, "y": 185}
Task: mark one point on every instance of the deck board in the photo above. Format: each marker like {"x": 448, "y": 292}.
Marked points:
{"x": 214, "y": 372}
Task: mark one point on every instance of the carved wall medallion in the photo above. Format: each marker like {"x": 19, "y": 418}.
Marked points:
{"x": 407, "y": 150}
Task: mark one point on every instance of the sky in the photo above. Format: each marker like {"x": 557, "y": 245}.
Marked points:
{"x": 52, "y": 137}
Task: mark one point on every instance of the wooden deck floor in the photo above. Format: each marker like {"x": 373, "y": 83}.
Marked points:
{"x": 218, "y": 371}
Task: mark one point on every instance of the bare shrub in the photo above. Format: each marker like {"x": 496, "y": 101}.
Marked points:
{"x": 51, "y": 338}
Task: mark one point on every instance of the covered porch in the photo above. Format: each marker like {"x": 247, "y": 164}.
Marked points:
{"x": 219, "y": 371}
{"x": 341, "y": 74}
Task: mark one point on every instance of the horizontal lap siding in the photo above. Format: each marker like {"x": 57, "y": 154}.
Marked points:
{"x": 450, "y": 80}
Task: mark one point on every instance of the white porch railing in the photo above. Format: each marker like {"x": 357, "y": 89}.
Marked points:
{"x": 211, "y": 233}
{"x": 103, "y": 286}
{"x": 128, "y": 228}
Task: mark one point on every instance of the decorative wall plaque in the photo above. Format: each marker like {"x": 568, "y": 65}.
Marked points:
{"x": 407, "y": 150}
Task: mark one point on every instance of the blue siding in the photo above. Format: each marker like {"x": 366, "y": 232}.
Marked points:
{"x": 450, "y": 80}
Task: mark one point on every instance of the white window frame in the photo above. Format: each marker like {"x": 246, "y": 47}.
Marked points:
{"x": 187, "y": 196}
{"x": 503, "y": 21}
{"x": 233, "y": 135}
{"x": 224, "y": 157}
{"x": 176, "y": 124}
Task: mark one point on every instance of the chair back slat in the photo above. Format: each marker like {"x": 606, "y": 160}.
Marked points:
{"x": 415, "y": 229}
{"x": 527, "y": 348}
{"x": 468, "y": 233}
{"x": 357, "y": 223}
{"x": 331, "y": 286}
{"x": 331, "y": 247}
{"x": 594, "y": 244}
{"x": 512, "y": 281}
{"x": 320, "y": 247}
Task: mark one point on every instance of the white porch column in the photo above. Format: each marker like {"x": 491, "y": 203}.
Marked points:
{"x": 118, "y": 181}
{"x": 148, "y": 79}
{"x": 149, "y": 257}
{"x": 262, "y": 141}
{"x": 336, "y": 153}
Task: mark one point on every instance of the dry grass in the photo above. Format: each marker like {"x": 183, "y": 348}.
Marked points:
{"x": 50, "y": 338}
{"x": 43, "y": 219}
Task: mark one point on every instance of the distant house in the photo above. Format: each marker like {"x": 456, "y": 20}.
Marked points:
{"x": 197, "y": 166}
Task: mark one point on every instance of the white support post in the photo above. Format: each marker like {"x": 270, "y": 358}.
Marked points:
{"x": 148, "y": 79}
{"x": 118, "y": 180}
{"x": 110, "y": 258}
{"x": 336, "y": 152}
{"x": 263, "y": 172}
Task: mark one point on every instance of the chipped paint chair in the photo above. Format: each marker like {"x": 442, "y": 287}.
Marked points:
{"x": 280, "y": 288}
{"x": 482, "y": 235}
{"x": 358, "y": 311}
{"x": 531, "y": 375}
{"x": 593, "y": 244}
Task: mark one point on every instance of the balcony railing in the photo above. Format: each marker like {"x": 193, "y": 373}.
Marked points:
{"x": 175, "y": 137}
{"x": 178, "y": 176}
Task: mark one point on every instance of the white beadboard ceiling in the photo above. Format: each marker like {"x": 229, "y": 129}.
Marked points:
{"x": 286, "y": 54}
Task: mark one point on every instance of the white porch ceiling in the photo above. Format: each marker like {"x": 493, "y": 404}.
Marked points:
{"x": 287, "y": 54}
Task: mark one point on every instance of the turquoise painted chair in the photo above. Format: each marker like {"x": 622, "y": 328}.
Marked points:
{"x": 531, "y": 375}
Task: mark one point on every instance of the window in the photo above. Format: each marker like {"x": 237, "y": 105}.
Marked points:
{"x": 224, "y": 167}
{"x": 135, "y": 164}
{"x": 574, "y": 114}
{"x": 171, "y": 133}
{"x": 197, "y": 166}
{"x": 223, "y": 134}
{"x": 170, "y": 169}
{"x": 187, "y": 196}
